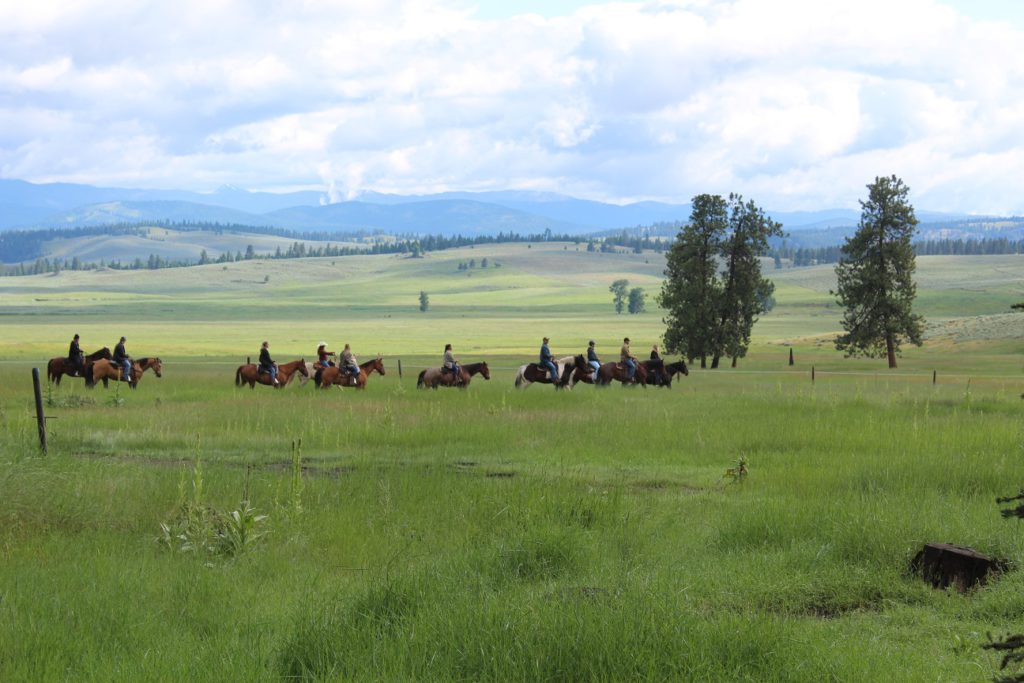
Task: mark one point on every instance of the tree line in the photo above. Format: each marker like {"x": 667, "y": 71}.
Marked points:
{"x": 986, "y": 246}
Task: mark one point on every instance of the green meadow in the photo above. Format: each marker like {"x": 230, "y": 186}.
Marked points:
{"x": 494, "y": 534}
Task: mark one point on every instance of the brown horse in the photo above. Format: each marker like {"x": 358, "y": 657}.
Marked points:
{"x": 613, "y": 371}
{"x": 433, "y": 378}
{"x": 250, "y": 374}
{"x": 58, "y": 367}
{"x": 534, "y": 372}
{"x": 342, "y": 378}
{"x": 579, "y": 371}
{"x": 107, "y": 370}
{"x": 661, "y": 374}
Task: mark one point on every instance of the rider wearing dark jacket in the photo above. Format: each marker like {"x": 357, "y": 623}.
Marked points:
{"x": 547, "y": 361}
{"x": 121, "y": 358}
{"x": 75, "y": 355}
{"x": 267, "y": 363}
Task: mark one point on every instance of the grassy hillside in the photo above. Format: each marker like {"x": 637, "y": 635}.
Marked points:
{"x": 168, "y": 244}
{"x": 543, "y": 289}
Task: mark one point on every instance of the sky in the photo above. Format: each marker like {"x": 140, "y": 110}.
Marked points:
{"x": 797, "y": 104}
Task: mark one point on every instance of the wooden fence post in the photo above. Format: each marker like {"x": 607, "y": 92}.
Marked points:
{"x": 399, "y": 368}
{"x": 935, "y": 376}
{"x": 812, "y": 374}
{"x": 791, "y": 356}
{"x": 40, "y": 418}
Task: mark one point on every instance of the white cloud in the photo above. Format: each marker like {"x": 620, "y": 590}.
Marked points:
{"x": 796, "y": 103}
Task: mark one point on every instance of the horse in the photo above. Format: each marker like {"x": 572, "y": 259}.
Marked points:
{"x": 58, "y": 367}
{"x": 341, "y": 377}
{"x": 433, "y": 378}
{"x": 613, "y": 371}
{"x": 534, "y": 372}
{"x": 660, "y": 373}
{"x": 250, "y": 374}
{"x": 579, "y": 371}
{"x": 107, "y": 370}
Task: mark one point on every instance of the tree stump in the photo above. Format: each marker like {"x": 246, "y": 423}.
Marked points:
{"x": 943, "y": 565}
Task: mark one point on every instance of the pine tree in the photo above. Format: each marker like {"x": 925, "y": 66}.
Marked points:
{"x": 637, "y": 300}
{"x": 876, "y": 276}
{"x": 743, "y": 290}
{"x": 691, "y": 287}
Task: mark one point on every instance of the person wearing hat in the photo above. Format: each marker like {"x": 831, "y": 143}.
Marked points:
{"x": 592, "y": 359}
{"x": 121, "y": 358}
{"x": 323, "y": 356}
{"x": 627, "y": 358}
{"x": 548, "y": 361}
{"x": 451, "y": 364}
{"x": 75, "y": 356}
{"x": 267, "y": 363}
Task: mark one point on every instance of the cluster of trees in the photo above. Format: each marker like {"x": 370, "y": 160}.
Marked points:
{"x": 636, "y": 243}
{"x": 634, "y": 300}
{"x": 471, "y": 264}
{"x": 714, "y": 291}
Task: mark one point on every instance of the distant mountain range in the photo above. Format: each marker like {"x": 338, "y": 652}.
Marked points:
{"x": 62, "y": 205}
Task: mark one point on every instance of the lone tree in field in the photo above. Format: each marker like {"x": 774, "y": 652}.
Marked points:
{"x": 619, "y": 290}
{"x": 424, "y": 301}
{"x": 876, "y": 276}
{"x": 691, "y": 288}
{"x": 637, "y": 300}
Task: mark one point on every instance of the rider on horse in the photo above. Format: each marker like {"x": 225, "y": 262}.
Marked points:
{"x": 451, "y": 364}
{"x": 349, "y": 362}
{"x": 592, "y": 359}
{"x": 547, "y": 361}
{"x": 656, "y": 368}
{"x": 323, "y": 357}
{"x": 122, "y": 359}
{"x": 75, "y": 356}
{"x": 267, "y": 363}
{"x": 627, "y": 358}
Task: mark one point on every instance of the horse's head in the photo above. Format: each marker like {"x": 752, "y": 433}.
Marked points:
{"x": 679, "y": 366}
{"x": 485, "y": 371}
{"x": 378, "y": 364}
{"x": 158, "y": 367}
{"x": 303, "y": 369}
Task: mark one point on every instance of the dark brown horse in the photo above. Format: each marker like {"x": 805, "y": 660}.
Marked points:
{"x": 661, "y": 374}
{"x": 250, "y": 374}
{"x": 107, "y": 370}
{"x": 534, "y": 372}
{"x": 613, "y": 371}
{"x": 432, "y": 378}
{"x": 58, "y": 367}
{"x": 335, "y": 376}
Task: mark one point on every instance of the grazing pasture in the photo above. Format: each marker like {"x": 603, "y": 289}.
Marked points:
{"x": 496, "y": 534}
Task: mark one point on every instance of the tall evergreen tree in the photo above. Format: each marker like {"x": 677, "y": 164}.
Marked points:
{"x": 876, "y": 276}
{"x": 691, "y": 287}
{"x": 744, "y": 291}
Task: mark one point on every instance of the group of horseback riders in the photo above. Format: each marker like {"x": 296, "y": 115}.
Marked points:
{"x": 626, "y": 358}
{"x": 76, "y": 358}
{"x": 348, "y": 361}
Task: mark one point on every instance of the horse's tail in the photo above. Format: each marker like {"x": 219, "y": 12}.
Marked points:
{"x": 521, "y": 381}
{"x": 50, "y": 375}
{"x": 89, "y": 379}
{"x": 419, "y": 380}
{"x": 238, "y": 376}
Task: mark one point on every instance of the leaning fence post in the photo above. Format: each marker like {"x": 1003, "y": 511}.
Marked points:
{"x": 935, "y": 376}
{"x": 40, "y": 418}
{"x": 399, "y": 368}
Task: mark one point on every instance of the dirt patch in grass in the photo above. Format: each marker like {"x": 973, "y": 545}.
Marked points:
{"x": 665, "y": 486}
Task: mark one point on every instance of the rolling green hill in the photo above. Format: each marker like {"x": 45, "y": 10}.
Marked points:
{"x": 559, "y": 290}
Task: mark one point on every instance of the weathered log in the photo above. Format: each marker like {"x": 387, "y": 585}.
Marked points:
{"x": 943, "y": 565}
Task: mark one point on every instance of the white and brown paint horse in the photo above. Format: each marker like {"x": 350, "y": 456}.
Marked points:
{"x": 535, "y": 373}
